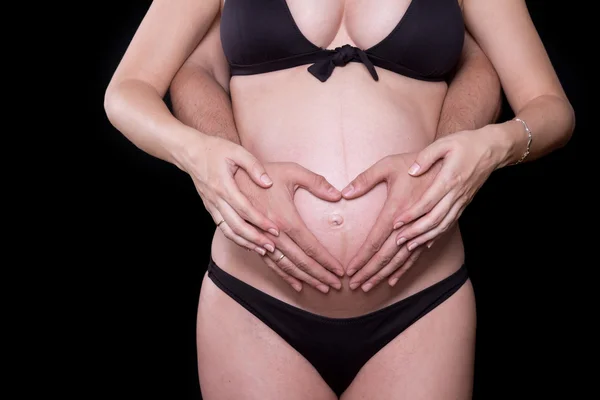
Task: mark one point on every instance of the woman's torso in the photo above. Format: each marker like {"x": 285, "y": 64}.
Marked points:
{"x": 338, "y": 129}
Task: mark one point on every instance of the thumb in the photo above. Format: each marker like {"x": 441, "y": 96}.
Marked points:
{"x": 253, "y": 167}
{"x": 366, "y": 180}
{"x": 428, "y": 156}
{"x": 314, "y": 183}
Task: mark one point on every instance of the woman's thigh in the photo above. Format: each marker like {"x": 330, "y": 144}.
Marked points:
{"x": 432, "y": 359}
{"x": 239, "y": 357}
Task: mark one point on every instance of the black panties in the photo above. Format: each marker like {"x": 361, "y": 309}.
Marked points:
{"x": 336, "y": 347}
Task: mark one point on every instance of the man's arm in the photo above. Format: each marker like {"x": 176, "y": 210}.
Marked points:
{"x": 200, "y": 90}
{"x": 474, "y": 95}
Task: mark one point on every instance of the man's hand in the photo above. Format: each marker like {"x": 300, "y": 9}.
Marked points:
{"x": 304, "y": 257}
{"x": 382, "y": 255}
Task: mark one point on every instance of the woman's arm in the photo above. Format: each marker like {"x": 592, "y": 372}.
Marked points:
{"x": 134, "y": 97}
{"x": 474, "y": 97}
{"x": 506, "y": 33}
{"x": 134, "y": 104}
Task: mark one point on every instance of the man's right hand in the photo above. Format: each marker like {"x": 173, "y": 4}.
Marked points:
{"x": 299, "y": 256}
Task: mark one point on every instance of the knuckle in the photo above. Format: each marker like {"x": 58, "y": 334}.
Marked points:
{"x": 428, "y": 205}
{"x": 289, "y": 229}
{"x": 310, "y": 251}
{"x": 236, "y": 229}
{"x": 375, "y": 246}
{"x": 385, "y": 260}
{"x": 280, "y": 222}
{"x": 362, "y": 179}
{"x": 243, "y": 213}
{"x": 302, "y": 265}
{"x": 455, "y": 180}
{"x": 437, "y": 220}
{"x": 319, "y": 180}
{"x": 219, "y": 191}
{"x": 287, "y": 268}
{"x": 445, "y": 226}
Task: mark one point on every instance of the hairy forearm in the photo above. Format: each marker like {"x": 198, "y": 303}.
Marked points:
{"x": 137, "y": 110}
{"x": 201, "y": 102}
{"x": 474, "y": 97}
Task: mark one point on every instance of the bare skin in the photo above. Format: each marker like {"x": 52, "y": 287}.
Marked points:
{"x": 328, "y": 130}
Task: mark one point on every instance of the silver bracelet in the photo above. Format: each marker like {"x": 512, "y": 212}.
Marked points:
{"x": 530, "y": 137}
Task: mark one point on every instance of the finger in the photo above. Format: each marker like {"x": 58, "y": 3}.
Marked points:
{"x": 305, "y": 263}
{"x": 293, "y": 282}
{"x": 229, "y": 234}
{"x": 431, "y": 197}
{"x": 428, "y": 156}
{"x": 314, "y": 183}
{"x": 414, "y": 256}
{"x": 287, "y": 266}
{"x": 253, "y": 167}
{"x": 243, "y": 229}
{"x": 376, "y": 263}
{"x": 220, "y": 222}
{"x": 427, "y": 222}
{"x": 449, "y": 219}
{"x": 398, "y": 262}
{"x": 311, "y": 246}
{"x": 379, "y": 233}
{"x": 367, "y": 180}
{"x": 236, "y": 199}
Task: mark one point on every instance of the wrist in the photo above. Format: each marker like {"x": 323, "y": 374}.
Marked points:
{"x": 186, "y": 147}
{"x": 508, "y": 142}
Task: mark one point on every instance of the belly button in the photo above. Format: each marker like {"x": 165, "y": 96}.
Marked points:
{"x": 335, "y": 220}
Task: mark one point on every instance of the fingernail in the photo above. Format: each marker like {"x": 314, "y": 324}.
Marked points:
{"x": 332, "y": 190}
{"x": 398, "y": 225}
{"x": 273, "y": 232}
{"x": 348, "y": 190}
{"x": 366, "y": 287}
{"x": 339, "y": 272}
{"x": 260, "y": 251}
{"x": 414, "y": 168}
{"x": 265, "y": 179}
{"x": 401, "y": 241}
{"x": 354, "y": 285}
{"x": 350, "y": 272}
{"x": 430, "y": 244}
{"x": 337, "y": 285}
{"x": 393, "y": 282}
{"x": 323, "y": 288}
{"x": 297, "y": 287}
{"x": 269, "y": 248}
{"x": 412, "y": 246}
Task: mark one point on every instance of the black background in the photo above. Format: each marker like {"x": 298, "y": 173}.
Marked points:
{"x": 147, "y": 236}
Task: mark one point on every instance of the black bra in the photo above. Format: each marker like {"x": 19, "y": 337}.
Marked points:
{"x": 261, "y": 36}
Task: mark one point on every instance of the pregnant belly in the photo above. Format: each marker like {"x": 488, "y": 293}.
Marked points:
{"x": 338, "y": 133}
{"x": 341, "y": 227}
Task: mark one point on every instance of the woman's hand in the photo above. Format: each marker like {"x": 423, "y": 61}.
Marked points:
{"x": 380, "y": 256}
{"x": 299, "y": 256}
{"x": 212, "y": 166}
{"x": 467, "y": 158}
